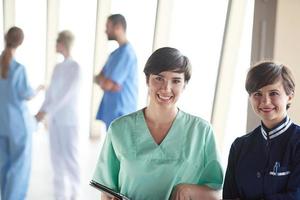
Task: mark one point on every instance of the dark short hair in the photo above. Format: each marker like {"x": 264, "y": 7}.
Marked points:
{"x": 118, "y": 19}
{"x": 168, "y": 59}
{"x": 266, "y": 73}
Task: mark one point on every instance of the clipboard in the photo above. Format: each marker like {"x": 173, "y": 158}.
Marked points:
{"x": 108, "y": 191}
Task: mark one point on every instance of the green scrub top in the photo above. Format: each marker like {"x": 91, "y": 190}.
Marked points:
{"x": 132, "y": 163}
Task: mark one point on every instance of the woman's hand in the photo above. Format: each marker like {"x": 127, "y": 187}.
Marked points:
{"x": 106, "y": 197}
{"x": 40, "y": 88}
{"x": 36, "y": 92}
{"x": 193, "y": 192}
{"x": 40, "y": 116}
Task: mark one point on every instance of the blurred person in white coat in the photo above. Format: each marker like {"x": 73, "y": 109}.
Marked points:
{"x": 61, "y": 108}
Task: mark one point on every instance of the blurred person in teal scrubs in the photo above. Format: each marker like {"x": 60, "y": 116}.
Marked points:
{"x": 161, "y": 152}
{"x": 16, "y": 123}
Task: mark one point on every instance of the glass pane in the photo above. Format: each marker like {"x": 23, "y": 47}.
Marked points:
{"x": 239, "y": 97}
{"x": 83, "y": 27}
{"x": 198, "y": 33}
{"x": 1, "y": 27}
{"x": 32, "y": 53}
{"x": 140, "y": 17}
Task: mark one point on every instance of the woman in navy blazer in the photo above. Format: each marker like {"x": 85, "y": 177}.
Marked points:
{"x": 265, "y": 163}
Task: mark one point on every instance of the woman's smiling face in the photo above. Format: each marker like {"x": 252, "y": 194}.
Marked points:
{"x": 270, "y": 103}
{"x": 165, "y": 88}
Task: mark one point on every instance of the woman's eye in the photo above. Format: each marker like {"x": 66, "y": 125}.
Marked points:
{"x": 176, "y": 81}
{"x": 274, "y": 93}
{"x": 158, "y": 78}
{"x": 256, "y": 94}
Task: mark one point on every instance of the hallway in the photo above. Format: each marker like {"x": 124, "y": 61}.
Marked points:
{"x": 41, "y": 175}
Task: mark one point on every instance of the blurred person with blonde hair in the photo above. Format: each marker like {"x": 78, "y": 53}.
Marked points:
{"x": 61, "y": 106}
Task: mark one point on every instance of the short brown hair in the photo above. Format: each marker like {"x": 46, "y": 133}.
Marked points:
{"x": 266, "y": 73}
{"x": 168, "y": 59}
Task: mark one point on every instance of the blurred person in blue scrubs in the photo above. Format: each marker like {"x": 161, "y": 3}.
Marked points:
{"x": 118, "y": 78}
{"x": 61, "y": 106}
{"x": 16, "y": 123}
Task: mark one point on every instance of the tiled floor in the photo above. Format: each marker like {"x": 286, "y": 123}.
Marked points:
{"x": 41, "y": 187}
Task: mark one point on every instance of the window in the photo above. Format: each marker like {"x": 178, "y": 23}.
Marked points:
{"x": 83, "y": 26}
{"x": 197, "y": 30}
{"x": 140, "y": 17}
{"x": 1, "y": 27}
{"x": 239, "y": 97}
{"x": 31, "y": 17}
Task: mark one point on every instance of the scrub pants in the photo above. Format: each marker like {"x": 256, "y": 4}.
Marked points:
{"x": 15, "y": 164}
{"x": 65, "y": 160}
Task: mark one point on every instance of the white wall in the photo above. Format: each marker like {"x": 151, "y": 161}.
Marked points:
{"x": 287, "y": 45}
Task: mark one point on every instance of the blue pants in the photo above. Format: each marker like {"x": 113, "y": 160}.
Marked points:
{"x": 15, "y": 163}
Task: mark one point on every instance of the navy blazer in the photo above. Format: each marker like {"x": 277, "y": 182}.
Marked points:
{"x": 265, "y": 164}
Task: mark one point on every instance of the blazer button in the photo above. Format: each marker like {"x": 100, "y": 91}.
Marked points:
{"x": 258, "y": 174}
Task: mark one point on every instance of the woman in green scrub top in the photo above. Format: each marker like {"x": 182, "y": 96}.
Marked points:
{"x": 161, "y": 152}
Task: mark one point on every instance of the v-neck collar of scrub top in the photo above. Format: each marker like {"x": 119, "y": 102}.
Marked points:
{"x": 277, "y": 130}
{"x": 173, "y": 140}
